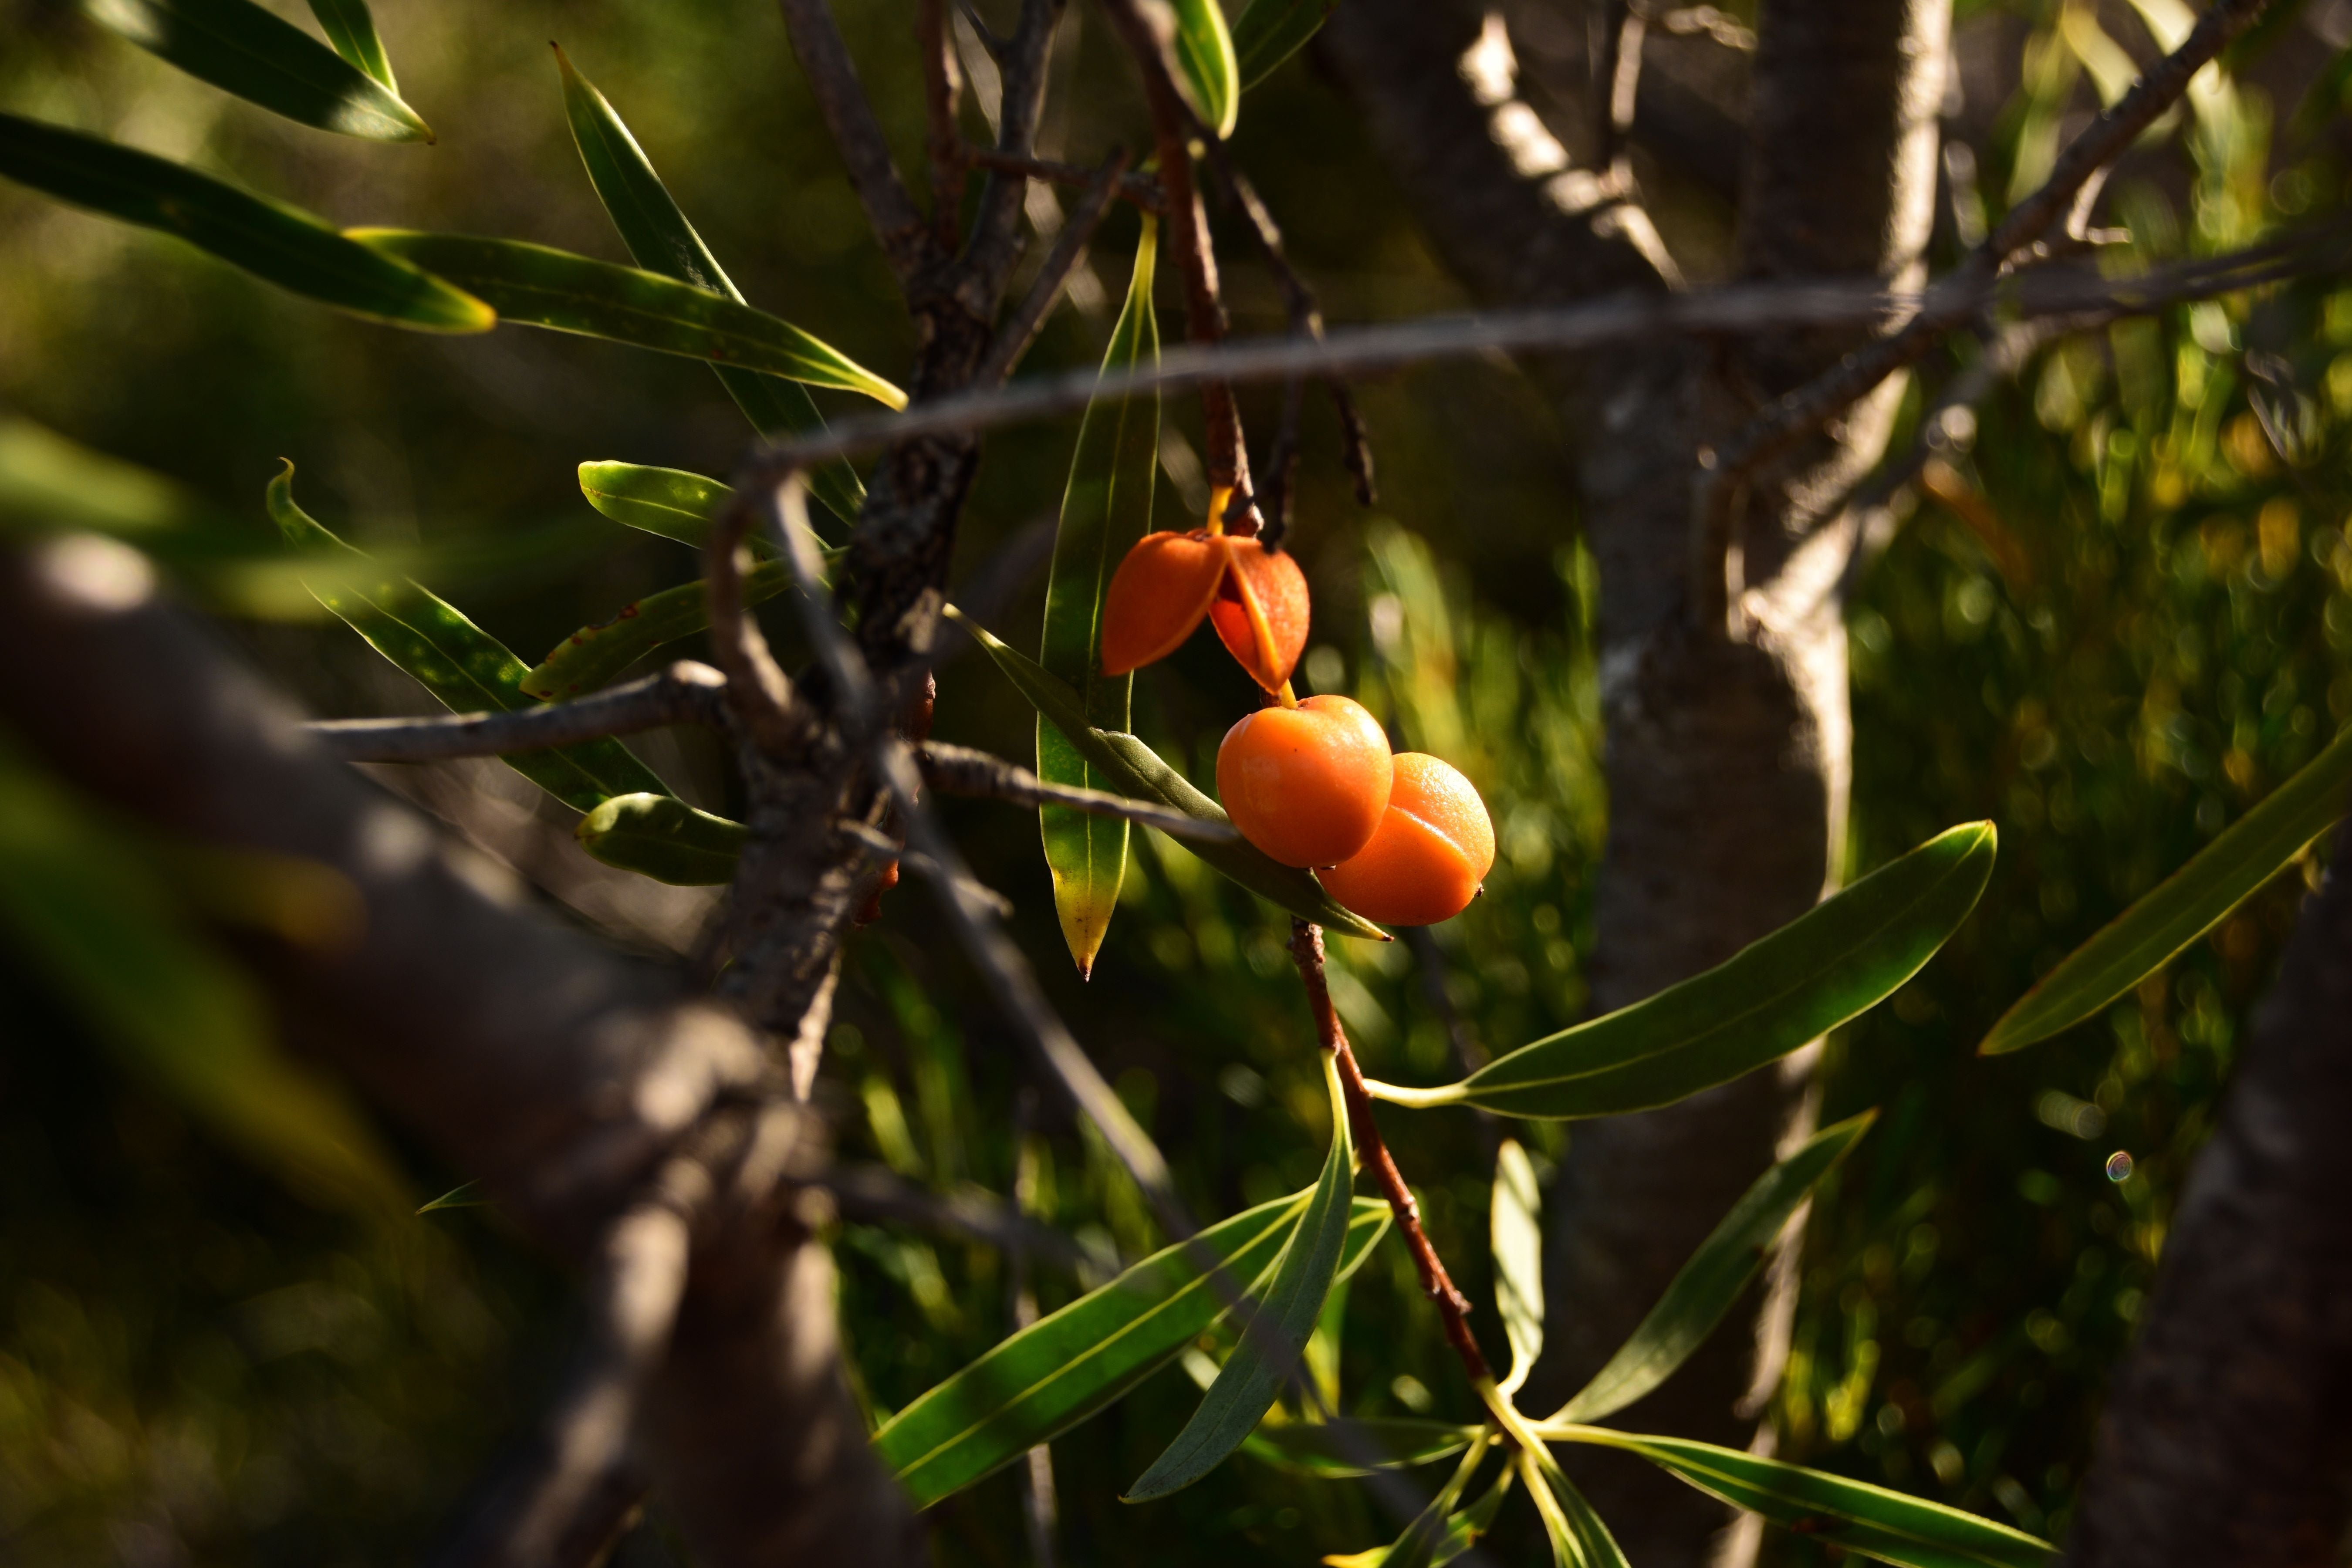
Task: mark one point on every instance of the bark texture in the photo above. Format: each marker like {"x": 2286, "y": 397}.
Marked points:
{"x": 2224, "y": 1439}
{"x": 1727, "y": 756}
{"x": 561, "y": 1075}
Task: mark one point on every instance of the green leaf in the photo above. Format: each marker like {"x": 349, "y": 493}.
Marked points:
{"x": 1578, "y": 1539}
{"x": 352, "y": 29}
{"x": 1336, "y": 1450}
{"x": 593, "y": 655}
{"x": 1462, "y": 1529}
{"x": 242, "y": 48}
{"x": 1715, "y": 1276}
{"x": 466, "y": 669}
{"x": 1842, "y": 957}
{"x": 540, "y": 286}
{"x": 98, "y": 922}
{"x": 671, "y": 502}
{"x": 1517, "y": 1227}
{"x": 2184, "y": 906}
{"x": 1204, "y": 50}
{"x": 1271, "y": 1346}
{"x": 267, "y": 238}
{"x": 1062, "y": 1369}
{"x": 1105, "y": 507}
{"x": 1271, "y": 31}
{"x": 1431, "y": 1529}
{"x": 1127, "y": 766}
{"x": 1867, "y": 1520}
{"x": 466, "y": 1197}
{"x": 661, "y": 836}
{"x": 660, "y": 238}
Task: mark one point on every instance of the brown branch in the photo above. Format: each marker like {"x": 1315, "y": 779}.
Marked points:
{"x": 942, "y": 84}
{"x": 685, "y": 693}
{"x": 995, "y": 244}
{"x": 1013, "y": 339}
{"x": 758, "y": 691}
{"x": 897, "y": 223}
{"x": 1140, "y": 191}
{"x": 1453, "y": 1307}
{"x": 959, "y": 770}
{"x": 1809, "y": 407}
{"x": 1174, "y": 129}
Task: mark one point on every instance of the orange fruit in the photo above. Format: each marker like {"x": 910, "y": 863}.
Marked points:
{"x": 1169, "y": 582}
{"x": 1433, "y": 847}
{"x": 1305, "y": 784}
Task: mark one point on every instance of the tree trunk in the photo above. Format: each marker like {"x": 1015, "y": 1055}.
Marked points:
{"x": 2224, "y": 1440}
{"x": 1728, "y": 758}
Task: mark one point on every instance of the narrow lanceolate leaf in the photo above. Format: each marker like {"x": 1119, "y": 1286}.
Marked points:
{"x": 661, "y": 836}
{"x": 540, "y": 286}
{"x": 267, "y": 238}
{"x": 1840, "y": 958}
{"x": 466, "y": 669}
{"x": 1127, "y": 766}
{"x": 671, "y": 502}
{"x": 1271, "y": 1345}
{"x": 1516, "y": 1226}
{"x": 349, "y": 26}
{"x": 1578, "y": 1538}
{"x": 593, "y": 656}
{"x": 96, "y": 922}
{"x": 1204, "y": 50}
{"x": 466, "y": 1196}
{"x": 1462, "y": 1529}
{"x": 1104, "y": 510}
{"x": 1867, "y": 1520}
{"x": 2185, "y": 905}
{"x": 1334, "y": 1450}
{"x": 242, "y": 48}
{"x": 659, "y": 235}
{"x": 1063, "y": 1368}
{"x": 1417, "y": 1547}
{"x": 1271, "y": 31}
{"x": 1715, "y": 1276}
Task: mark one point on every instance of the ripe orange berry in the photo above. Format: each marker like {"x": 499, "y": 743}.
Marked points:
{"x": 1168, "y": 581}
{"x": 1307, "y": 784}
{"x": 1432, "y": 849}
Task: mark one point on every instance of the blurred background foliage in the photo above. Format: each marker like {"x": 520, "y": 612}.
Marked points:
{"x": 2111, "y": 621}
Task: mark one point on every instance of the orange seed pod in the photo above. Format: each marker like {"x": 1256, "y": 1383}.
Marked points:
{"x": 1305, "y": 784}
{"x": 1169, "y": 582}
{"x": 1432, "y": 849}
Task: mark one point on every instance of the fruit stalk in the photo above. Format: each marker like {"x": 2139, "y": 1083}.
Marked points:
{"x": 1453, "y": 1306}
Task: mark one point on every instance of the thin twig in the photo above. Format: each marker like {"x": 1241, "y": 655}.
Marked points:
{"x": 1357, "y": 352}
{"x": 1140, "y": 191}
{"x": 960, "y": 770}
{"x": 1453, "y": 1307}
{"x": 685, "y": 693}
{"x": 848, "y": 115}
{"x": 1804, "y": 410}
{"x": 1618, "y": 82}
{"x": 758, "y": 691}
{"x": 1013, "y": 339}
{"x": 872, "y": 1194}
{"x": 1039, "y": 1499}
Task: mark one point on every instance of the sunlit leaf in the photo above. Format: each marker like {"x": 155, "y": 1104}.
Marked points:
{"x": 671, "y": 502}
{"x": 540, "y": 286}
{"x": 267, "y": 238}
{"x": 1127, "y": 766}
{"x": 2185, "y": 905}
{"x": 1463, "y": 1528}
{"x": 1716, "y": 1275}
{"x": 1105, "y": 507}
{"x": 1204, "y": 50}
{"x": 1271, "y": 31}
{"x": 466, "y": 669}
{"x": 661, "y": 836}
{"x": 659, "y": 235}
{"x": 1336, "y": 1450}
{"x": 1063, "y": 1368}
{"x": 1429, "y": 1530}
{"x": 593, "y": 655}
{"x": 1517, "y": 1227}
{"x": 351, "y": 28}
{"x": 1578, "y": 1538}
{"x": 1842, "y": 957}
{"x": 1271, "y": 1347}
{"x": 97, "y": 924}
{"x": 1867, "y": 1520}
{"x": 242, "y": 48}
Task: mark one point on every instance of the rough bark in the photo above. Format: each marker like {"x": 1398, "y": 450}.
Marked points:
{"x": 2224, "y": 1440}
{"x": 561, "y": 1075}
{"x": 1726, "y": 757}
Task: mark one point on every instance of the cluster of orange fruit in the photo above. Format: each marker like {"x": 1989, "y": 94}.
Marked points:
{"x": 1402, "y": 838}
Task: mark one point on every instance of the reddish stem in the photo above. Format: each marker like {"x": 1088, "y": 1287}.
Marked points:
{"x": 1453, "y": 1306}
